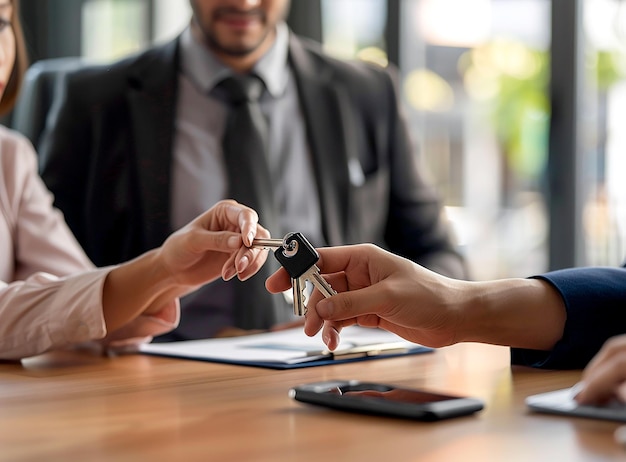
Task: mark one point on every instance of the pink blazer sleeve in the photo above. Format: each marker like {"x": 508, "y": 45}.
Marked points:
{"x": 50, "y": 293}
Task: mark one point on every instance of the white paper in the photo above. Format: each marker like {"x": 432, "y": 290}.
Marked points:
{"x": 289, "y": 346}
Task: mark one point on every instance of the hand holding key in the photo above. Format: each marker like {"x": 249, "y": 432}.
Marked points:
{"x": 379, "y": 289}
{"x": 298, "y": 257}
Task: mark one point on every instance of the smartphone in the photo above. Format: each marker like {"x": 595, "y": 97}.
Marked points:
{"x": 383, "y": 399}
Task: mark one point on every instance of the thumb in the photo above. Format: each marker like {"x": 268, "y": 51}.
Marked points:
{"x": 222, "y": 241}
{"x": 351, "y": 304}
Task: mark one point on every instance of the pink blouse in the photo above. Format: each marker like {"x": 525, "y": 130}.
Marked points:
{"x": 50, "y": 293}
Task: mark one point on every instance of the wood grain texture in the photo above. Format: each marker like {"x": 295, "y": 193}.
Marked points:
{"x": 75, "y": 406}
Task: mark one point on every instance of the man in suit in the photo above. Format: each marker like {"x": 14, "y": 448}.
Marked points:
{"x": 134, "y": 149}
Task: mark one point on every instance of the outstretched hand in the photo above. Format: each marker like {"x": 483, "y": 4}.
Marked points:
{"x": 377, "y": 289}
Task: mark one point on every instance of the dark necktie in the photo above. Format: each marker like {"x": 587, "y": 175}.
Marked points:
{"x": 245, "y": 155}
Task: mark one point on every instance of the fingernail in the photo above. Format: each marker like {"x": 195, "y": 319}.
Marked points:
{"x": 250, "y": 237}
{"x": 233, "y": 242}
{"x": 229, "y": 274}
{"x": 243, "y": 264}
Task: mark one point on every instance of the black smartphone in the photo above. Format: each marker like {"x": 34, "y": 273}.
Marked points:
{"x": 383, "y": 399}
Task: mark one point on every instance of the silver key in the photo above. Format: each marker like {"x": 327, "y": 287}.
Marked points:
{"x": 298, "y": 257}
{"x": 313, "y": 275}
{"x": 271, "y": 244}
{"x": 268, "y": 244}
{"x": 299, "y": 307}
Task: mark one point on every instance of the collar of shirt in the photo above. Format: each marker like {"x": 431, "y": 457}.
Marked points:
{"x": 205, "y": 70}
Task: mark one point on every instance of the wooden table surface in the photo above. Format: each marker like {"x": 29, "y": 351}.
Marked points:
{"x": 79, "y": 407}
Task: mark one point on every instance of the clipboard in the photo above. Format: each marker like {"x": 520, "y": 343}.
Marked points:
{"x": 290, "y": 348}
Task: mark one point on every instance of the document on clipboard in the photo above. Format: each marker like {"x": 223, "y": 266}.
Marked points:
{"x": 290, "y": 348}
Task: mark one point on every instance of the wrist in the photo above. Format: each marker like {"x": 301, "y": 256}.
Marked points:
{"x": 141, "y": 285}
{"x": 155, "y": 277}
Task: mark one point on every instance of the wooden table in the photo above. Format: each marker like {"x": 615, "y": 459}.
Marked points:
{"x": 79, "y": 407}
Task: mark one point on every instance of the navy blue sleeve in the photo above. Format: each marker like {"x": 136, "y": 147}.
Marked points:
{"x": 595, "y": 300}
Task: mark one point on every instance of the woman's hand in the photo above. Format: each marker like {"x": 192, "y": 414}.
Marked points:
{"x": 215, "y": 243}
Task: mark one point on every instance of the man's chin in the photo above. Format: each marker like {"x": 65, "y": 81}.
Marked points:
{"x": 237, "y": 44}
{"x": 235, "y": 52}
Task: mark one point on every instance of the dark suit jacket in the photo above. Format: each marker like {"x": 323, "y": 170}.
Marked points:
{"x": 106, "y": 157}
{"x": 595, "y": 299}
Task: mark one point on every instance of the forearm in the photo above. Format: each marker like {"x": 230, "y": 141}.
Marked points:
{"x": 521, "y": 313}
{"x": 46, "y": 311}
{"x": 594, "y": 297}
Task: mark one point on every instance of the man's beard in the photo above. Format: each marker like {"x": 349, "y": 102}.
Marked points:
{"x": 238, "y": 51}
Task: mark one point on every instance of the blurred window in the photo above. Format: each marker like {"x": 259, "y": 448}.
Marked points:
{"x": 604, "y": 212}
{"x": 474, "y": 80}
{"x": 115, "y": 28}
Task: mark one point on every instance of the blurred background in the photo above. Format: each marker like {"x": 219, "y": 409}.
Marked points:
{"x": 518, "y": 106}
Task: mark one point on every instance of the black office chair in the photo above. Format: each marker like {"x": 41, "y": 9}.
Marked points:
{"x": 42, "y": 81}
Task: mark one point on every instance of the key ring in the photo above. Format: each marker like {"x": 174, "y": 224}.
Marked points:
{"x": 290, "y": 248}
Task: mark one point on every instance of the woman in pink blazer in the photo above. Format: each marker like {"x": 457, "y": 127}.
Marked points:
{"x": 51, "y": 295}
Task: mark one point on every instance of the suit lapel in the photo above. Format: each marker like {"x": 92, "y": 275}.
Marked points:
{"x": 325, "y": 118}
{"x": 152, "y": 86}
